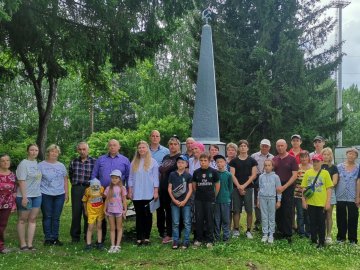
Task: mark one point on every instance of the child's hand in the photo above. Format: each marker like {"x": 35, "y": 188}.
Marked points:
{"x": 181, "y": 204}
{"x": 176, "y": 202}
{"x": 327, "y": 206}
{"x": 278, "y": 204}
{"x": 304, "y": 205}
{"x": 258, "y": 204}
{"x": 124, "y": 214}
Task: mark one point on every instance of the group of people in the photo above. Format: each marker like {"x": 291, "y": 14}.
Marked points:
{"x": 196, "y": 191}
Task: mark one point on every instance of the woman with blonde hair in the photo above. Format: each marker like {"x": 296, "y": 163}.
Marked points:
{"x": 334, "y": 174}
{"x": 54, "y": 190}
{"x": 143, "y": 187}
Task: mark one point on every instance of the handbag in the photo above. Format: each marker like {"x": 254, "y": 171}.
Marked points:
{"x": 310, "y": 190}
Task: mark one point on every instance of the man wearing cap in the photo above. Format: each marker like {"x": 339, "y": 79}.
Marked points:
{"x": 296, "y": 149}
{"x": 158, "y": 152}
{"x": 80, "y": 170}
{"x": 105, "y": 164}
{"x": 319, "y": 143}
{"x": 286, "y": 168}
{"x": 260, "y": 157}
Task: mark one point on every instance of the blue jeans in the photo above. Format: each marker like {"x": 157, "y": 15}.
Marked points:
{"x": 299, "y": 216}
{"x": 51, "y": 207}
{"x": 186, "y": 214}
{"x": 222, "y": 219}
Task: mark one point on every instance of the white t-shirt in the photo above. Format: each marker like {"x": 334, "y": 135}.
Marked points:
{"x": 29, "y": 172}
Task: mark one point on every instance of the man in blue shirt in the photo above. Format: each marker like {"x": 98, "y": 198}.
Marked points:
{"x": 158, "y": 152}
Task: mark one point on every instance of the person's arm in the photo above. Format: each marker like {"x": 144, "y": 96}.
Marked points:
{"x": 127, "y": 171}
{"x": 217, "y": 188}
{"x": 95, "y": 171}
{"x": 251, "y": 178}
{"x": 66, "y": 187}
{"x": 21, "y": 174}
{"x": 303, "y": 186}
{"x": 335, "y": 179}
{"x": 188, "y": 195}
{"x": 234, "y": 179}
{"x": 357, "y": 199}
{"x": 124, "y": 202}
{"x": 175, "y": 201}
{"x": 155, "y": 171}
{"x": 288, "y": 183}
{"x": 328, "y": 198}
{"x": 131, "y": 184}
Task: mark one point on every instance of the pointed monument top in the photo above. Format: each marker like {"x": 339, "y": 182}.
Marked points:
{"x": 206, "y": 15}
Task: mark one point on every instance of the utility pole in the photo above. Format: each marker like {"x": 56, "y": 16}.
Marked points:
{"x": 339, "y": 5}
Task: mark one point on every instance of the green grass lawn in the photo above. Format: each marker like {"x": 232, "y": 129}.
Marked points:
{"x": 239, "y": 253}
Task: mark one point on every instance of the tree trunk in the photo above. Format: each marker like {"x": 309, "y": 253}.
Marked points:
{"x": 45, "y": 115}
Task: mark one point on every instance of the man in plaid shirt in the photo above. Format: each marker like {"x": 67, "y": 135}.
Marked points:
{"x": 80, "y": 170}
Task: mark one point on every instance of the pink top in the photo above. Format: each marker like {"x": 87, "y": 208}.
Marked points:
{"x": 7, "y": 191}
{"x": 114, "y": 204}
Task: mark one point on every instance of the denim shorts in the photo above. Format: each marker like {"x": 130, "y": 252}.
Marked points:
{"x": 33, "y": 202}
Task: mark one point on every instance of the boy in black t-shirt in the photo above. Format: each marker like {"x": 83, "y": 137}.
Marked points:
{"x": 207, "y": 185}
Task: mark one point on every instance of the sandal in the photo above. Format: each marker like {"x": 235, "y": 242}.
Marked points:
{"x": 24, "y": 248}
{"x": 32, "y": 248}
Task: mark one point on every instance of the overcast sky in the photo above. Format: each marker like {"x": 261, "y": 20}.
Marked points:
{"x": 351, "y": 36}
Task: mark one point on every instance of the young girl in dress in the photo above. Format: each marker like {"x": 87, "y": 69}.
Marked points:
{"x": 115, "y": 209}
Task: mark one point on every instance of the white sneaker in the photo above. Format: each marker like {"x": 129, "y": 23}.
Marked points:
{"x": 117, "y": 249}
{"x": 209, "y": 245}
{"x": 236, "y": 233}
{"x": 328, "y": 240}
{"x": 112, "y": 249}
{"x": 264, "y": 238}
{"x": 271, "y": 239}
{"x": 249, "y": 235}
{"x": 197, "y": 243}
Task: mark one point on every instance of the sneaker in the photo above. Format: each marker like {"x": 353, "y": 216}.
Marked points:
{"x": 166, "y": 240}
{"x": 289, "y": 239}
{"x": 249, "y": 235}
{"x": 48, "y": 242}
{"x": 235, "y": 233}
{"x": 209, "y": 245}
{"x": 112, "y": 249}
{"x": 57, "y": 242}
{"x": 88, "y": 247}
{"x": 340, "y": 242}
{"x": 117, "y": 249}
{"x": 185, "y": 246}
{"x": 264, "y": 238}
{"x": 100, "y": 246}
{"x": 271, "y": 239}
{"x": 197, "y": 243}
{"x": 328, "y": 240}
{"x": 175, "y": 245}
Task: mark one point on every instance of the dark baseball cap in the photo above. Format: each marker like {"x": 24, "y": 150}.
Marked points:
{"x": 318, "y": 138}
{"x": 182, "y": 157}
{"x": 216, "y": 157}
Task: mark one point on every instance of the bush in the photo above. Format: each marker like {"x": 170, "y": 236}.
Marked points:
{"x": 167, "y": 127}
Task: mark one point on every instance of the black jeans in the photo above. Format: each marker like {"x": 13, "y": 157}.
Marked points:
{"x": 78, "y": 213}
{"x": 317, "y": 223}
{"x": 163, "y": 215}
{"x": 347, "y": 215}
{"x": 143, "y": 219}
{"x": 204, "y": 221}
{"x": 285, "y": 212}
